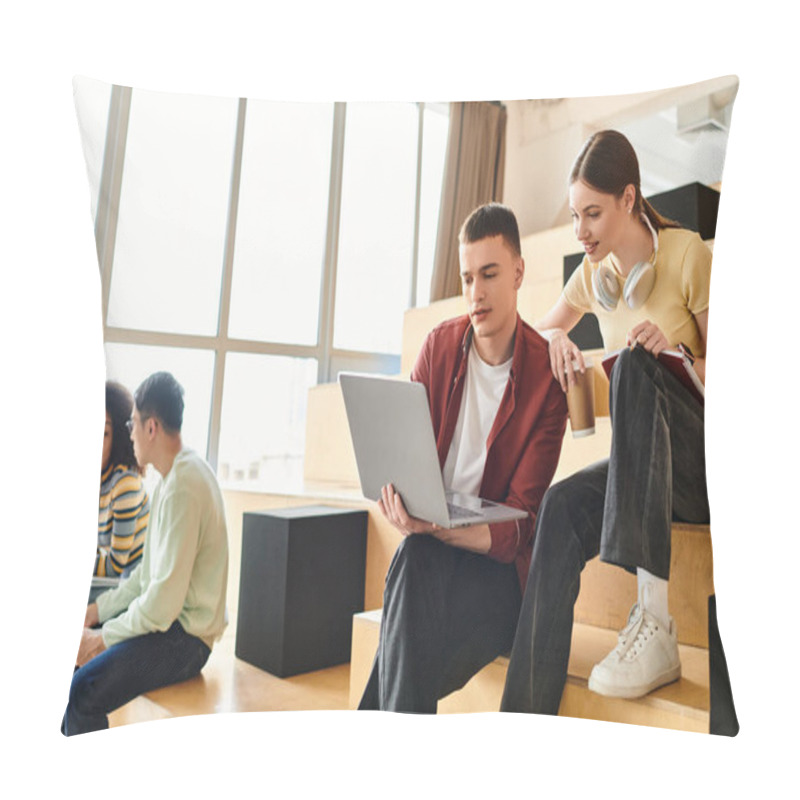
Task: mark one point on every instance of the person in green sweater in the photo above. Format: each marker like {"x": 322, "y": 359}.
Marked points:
{"x": 157, "y": 627}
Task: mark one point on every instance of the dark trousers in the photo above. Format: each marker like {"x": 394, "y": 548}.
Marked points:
{"x": 128, "y": 669}
{"x": 621, "y": 509}
{"x": 447, "y": 613}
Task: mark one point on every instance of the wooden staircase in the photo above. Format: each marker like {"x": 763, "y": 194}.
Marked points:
{"x": 607, "y": 592}
{"x": 330, "y": 477}
{"x": 683, "y": 705}
{"x": 606, "y": 596}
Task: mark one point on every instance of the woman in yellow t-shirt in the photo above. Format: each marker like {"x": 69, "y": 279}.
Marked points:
{"x": 647, "y": 280}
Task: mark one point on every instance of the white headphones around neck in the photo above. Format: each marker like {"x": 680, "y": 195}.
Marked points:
{"x": 638, "y": 284}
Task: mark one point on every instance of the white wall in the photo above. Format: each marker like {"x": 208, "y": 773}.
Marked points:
{"x": 544, "y": 136}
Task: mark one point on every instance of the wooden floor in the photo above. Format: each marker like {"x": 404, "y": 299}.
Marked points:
{"x": 230, "y": 684}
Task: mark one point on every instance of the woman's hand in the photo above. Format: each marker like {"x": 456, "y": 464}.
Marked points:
{"x": 391, "y": 506}
{"x": 649, "y": 336}
{"x": 563, "y": 352}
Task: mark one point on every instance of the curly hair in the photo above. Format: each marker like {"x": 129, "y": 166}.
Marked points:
{"x": 119, "y": 406}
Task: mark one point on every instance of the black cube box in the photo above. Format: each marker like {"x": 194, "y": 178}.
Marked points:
{"x": 302, "y": 579}
{"x": 694, "y": 206}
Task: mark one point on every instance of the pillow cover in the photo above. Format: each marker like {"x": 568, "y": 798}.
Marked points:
{"x": 253, "y": 249}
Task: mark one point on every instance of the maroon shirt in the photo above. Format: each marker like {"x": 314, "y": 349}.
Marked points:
{"x": 524, "y": 444}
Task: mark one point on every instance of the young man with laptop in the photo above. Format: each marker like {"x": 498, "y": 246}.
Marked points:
{"x": 453, "y": 594}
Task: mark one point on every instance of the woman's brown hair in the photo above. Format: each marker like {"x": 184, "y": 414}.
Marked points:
{"x": 119, "y": 406}
{"x": 607, "y": 162}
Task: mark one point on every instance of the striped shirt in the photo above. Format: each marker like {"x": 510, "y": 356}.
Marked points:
{"x": 122, "y": 522}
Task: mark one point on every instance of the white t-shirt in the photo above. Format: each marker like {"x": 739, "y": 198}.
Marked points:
{"x": 483, "y": 391}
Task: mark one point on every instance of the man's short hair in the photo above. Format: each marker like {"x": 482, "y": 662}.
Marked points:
{"x": 161, "y": 396}
{"x": 492, "y": 219}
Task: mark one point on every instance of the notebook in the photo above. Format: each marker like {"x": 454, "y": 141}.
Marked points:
{"x": 678, "y": 363}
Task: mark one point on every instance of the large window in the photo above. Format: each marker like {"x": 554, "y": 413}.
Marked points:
{"x": 263, "y": 418}
{"x": 376, "y": 232}
{"x": 281, "y": 222}
{"x": 173, "y": 204}
{"x": 256, "y": 248}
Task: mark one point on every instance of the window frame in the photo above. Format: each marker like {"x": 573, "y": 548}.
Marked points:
{"x": 330, "y": 360}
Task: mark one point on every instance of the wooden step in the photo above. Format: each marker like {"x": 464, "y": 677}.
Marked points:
{"x": 608, "y": 592}
{"x": 683, "y": 705}
{"x": 228, "y": 684}
{"x": 328, "y": 455}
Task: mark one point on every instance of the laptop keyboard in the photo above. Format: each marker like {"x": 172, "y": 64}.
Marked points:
{"x": 459, "y": 512}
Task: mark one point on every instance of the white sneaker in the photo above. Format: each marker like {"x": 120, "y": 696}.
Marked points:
{"x": 646, "y": 657}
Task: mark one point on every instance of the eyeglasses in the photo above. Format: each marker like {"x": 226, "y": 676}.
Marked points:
{"x": 129, "y": 423}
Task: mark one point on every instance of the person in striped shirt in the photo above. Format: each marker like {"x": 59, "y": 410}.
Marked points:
{"x": 124, "y": 505}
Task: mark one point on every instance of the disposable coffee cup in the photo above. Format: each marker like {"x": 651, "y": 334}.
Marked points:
{"x": 580, "y": 401}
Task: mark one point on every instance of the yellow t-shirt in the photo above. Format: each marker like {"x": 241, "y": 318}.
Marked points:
{"x": 683, "y": 273}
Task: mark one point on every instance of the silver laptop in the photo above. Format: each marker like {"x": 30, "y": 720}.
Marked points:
{"x": 392, "y": 433}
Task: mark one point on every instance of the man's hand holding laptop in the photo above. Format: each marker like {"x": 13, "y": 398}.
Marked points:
{"x": 392, "y": 507}
{"x": 476, "y": 538}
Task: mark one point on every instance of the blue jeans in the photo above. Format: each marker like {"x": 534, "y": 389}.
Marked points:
{"x": 621, "y": 509}
{"x": 447, "y": 613}
{"x": 128, "y": 669}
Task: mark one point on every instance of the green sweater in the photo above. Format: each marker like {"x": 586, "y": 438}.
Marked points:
{"x": 183, "y": 573}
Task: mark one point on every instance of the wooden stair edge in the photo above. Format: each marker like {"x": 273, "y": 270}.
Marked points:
{"x": 651, "y": 701}
{"x": 694, "y": 663}
{"x": 682, "y": 705}
{"x": 667, "y": 707}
